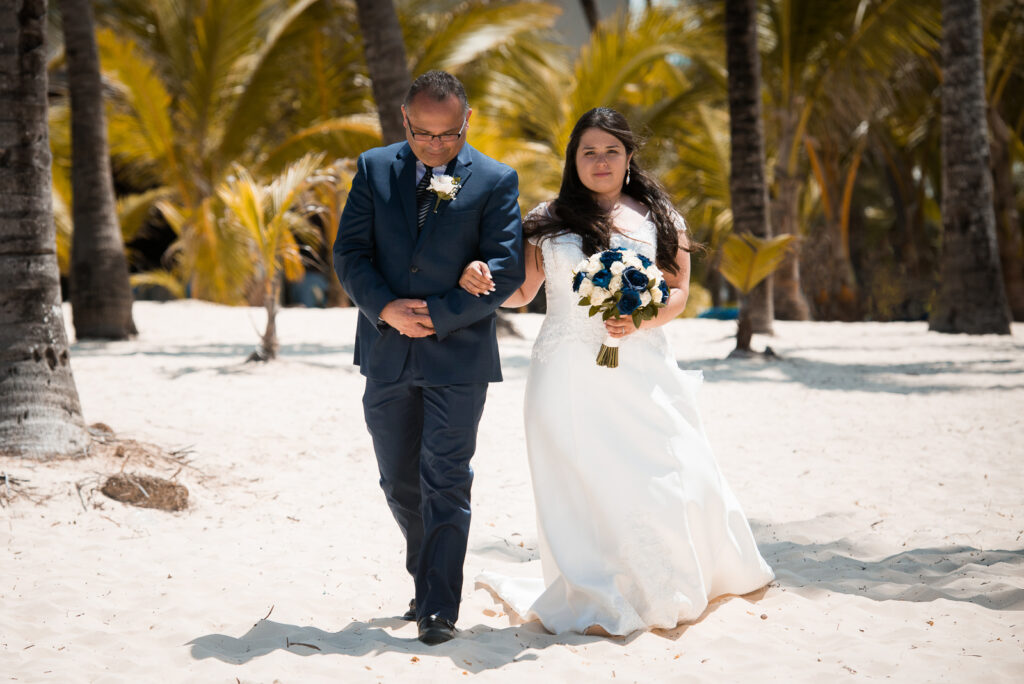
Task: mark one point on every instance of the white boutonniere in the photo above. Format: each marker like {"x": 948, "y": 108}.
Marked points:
{"x": 445, "y": 187}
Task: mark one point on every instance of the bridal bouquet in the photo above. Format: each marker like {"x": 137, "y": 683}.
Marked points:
{"x": 619, "y": 282}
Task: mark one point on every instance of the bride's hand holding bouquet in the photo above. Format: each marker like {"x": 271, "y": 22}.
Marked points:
{"x": 615, "y": 283}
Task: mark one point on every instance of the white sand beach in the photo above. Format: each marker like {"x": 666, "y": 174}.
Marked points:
{"x": 881, "y": 467}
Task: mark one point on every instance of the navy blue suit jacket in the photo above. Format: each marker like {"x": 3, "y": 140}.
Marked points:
{"x": 379, "y": 257}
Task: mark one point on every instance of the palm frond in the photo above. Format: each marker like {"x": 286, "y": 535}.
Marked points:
{"x": 477, "y": 27}
{"x": 338, "y": 138}
{"x": 268, "y": 75}
{"x": 699, "y": 176}
{"x": 143, "y": 129}
{"x": 747, "y": 260}
{"x": 134, "y": 211}
{"x": 159, "y": 278}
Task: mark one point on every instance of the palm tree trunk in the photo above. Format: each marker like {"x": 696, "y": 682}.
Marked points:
{"x": 384, "y": 50}
{"x": 101, "y": 297}
{"x": 1011, "y": 244}
{"x": 971, "y": 297}
{"x": 744, "y": 330}
{"x": 591, "y": 13}
{"x": 269, "y": 345}
{"x": 40, "y": 416}
{"x": 747, "y": 184}
{"x": 787, "y": 296}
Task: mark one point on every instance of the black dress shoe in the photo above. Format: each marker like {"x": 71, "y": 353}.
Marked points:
{"x": 435, "y": 629}
{"x": 410, "y": 615}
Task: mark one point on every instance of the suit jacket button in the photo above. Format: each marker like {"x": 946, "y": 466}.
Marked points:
{"x": 415, "y": 269}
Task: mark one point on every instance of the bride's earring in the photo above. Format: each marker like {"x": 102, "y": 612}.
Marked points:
{"x": 627, "y": 176}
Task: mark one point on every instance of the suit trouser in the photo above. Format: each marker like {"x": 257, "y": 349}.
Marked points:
{"x": 424, "y": 437}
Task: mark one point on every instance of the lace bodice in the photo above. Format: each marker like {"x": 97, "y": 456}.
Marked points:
{"x": 565, "y": 319}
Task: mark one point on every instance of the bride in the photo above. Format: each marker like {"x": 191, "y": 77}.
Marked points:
{"x": 636, "y": 526}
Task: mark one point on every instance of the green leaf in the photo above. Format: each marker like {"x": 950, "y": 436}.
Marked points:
{"x": 585, "y": 301}
{"x": 637, "y": 318}
{"x": 594, "y": 310}
{"x": 747, "y": 260}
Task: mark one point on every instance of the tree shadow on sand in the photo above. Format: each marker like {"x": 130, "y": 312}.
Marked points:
{"x": 988, "y": 578}
{"x": 206, "y": 349}
{"x": 895, "y": 378}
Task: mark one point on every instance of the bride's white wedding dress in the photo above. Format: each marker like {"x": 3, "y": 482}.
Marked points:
{"x": 636, "y": 526}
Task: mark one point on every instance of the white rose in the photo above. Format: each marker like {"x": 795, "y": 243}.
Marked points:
{"x": 444, "y": 186}
{"x": 582, "y": 266}
{"x": 633, "y": 261}
{"x": 616, "y": 284}
{"x": 645, "y": 298}
{"x": 594, "y": 263}
{"x": 598, "y": 295}
{"x": 617, "y": 268}
{"x": 652, "y": 272}
{"x": 586, "y": 287}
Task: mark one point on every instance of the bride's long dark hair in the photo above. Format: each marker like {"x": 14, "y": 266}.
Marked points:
{"x": 576, "y": 211}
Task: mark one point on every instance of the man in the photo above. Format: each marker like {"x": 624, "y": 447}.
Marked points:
{"x": 426, "y": 346}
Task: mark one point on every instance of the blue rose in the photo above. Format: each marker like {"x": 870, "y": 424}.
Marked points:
{"x": 644, "y": 260}
{"x": 633, "y": 279}
{"x": 602, "y": 278}
{"x": 577, "y": 279}
{"x": 629, "y": 302}
{"x": 609, "y": 257}
{"x": 664, "y": 291}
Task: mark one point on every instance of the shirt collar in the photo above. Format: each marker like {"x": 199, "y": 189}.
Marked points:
{"x": 421, "y": 169}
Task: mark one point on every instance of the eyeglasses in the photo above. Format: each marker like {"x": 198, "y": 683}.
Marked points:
{"x": 429, "y": 137}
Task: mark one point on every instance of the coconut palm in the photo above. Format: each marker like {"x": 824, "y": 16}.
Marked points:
{"x": 747, "y": 184}
{"x": 322, "y": 203}
{"x": 971, "y": 297}
{"x": 746, "y": 261}
{"x": 266, "y": 215}
{"x": 40, "y": 415}
{"x": 202, "y": 86}
{"x": 386, "y": 62}
{"x": 591, "y": 13}
{"x": 828, "y": 69}
{"x": 101, "y": 298}
{"x": 632, "y": 63}
{"x": 1004, "y": 84}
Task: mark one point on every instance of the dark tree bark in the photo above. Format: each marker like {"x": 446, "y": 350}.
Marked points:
{"x": 1011, "y": 243}
{"x": 384, "y": 51}
{"x": 787, "y": 296}
{"x": 101, "y": 297}
{"x": 590, "y": 12}
{"x": 971, "y": 297}
{"x": 747, "y": 185}
{"x": 40, "y": 416}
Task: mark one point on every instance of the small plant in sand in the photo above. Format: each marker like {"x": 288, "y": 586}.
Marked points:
{"x": 746, "y": 261}
{"x": 266, "y": 215}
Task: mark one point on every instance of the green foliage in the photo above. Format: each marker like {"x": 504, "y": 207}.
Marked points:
{"x": 747, "y": 260}
{"x": 198, "y": 88}
{"x": 264, "y": 214}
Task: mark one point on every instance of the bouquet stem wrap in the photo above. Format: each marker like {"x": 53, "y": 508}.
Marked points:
{"x": 608, "y": 355}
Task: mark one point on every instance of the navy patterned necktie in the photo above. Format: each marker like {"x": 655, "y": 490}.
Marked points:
{"x": 423, "y": 198}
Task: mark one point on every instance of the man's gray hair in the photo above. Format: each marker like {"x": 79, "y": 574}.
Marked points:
{"x": 438, "y": 86}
